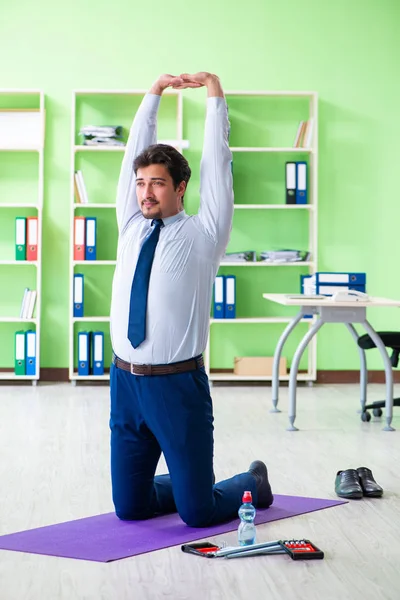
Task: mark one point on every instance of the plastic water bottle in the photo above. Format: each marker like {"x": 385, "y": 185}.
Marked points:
{"x": 247, "y": 529}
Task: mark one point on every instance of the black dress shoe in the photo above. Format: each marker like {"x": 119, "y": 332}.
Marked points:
{"x": 369, "y": 486}
{"x": 264, "y": 494}
{"x": 347, "y": 484}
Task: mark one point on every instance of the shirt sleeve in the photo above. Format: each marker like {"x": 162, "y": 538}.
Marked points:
{"x": 216, "y": 184}
{"x": 143, "y": 133}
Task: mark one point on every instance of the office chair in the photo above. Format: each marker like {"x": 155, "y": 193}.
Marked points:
{"x": 391, "y": 339}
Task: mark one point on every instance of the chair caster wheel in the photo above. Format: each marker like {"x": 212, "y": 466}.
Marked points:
{"x": 377, "y": 412}
{"x": 365, "y": 416}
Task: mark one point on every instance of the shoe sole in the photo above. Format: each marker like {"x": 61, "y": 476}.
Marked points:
{"x": 350, "y": 496}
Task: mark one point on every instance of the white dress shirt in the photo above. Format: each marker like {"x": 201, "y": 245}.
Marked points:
{"x": 188, "y": 252}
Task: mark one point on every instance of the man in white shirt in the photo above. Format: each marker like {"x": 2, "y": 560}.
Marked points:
{"x": 166, "y": 267}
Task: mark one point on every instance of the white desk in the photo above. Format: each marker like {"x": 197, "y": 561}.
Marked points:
{"x": 329, "y": 311}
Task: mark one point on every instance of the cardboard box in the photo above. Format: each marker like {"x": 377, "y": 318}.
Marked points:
{"x": 257, "y": 365}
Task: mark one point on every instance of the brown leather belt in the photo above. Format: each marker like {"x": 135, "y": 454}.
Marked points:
{"x": 179, "y": 367}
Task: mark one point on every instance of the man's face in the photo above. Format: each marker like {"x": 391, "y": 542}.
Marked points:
{"x": 155, "y": 192}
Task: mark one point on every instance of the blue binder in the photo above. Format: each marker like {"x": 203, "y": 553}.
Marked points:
{"x": 219, "y": 297}
{"x": 230, "y": 297}
{"x": 340, "y": 278}
{"x": 91, "y": 234}
{"x": 303, "y": 278}
{"x": 30, "y": 357}
{"x": 78, "y": 295}
{"x": 301, "y": 183}
{"x": 98, "y": 353}
{"x": 83, "y": 353}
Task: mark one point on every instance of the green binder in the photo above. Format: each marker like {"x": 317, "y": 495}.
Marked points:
{"x": 20, "y": 353}
{"x": 20, "y": 238}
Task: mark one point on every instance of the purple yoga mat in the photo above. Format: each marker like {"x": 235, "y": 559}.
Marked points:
{"x": 105, "y": 538}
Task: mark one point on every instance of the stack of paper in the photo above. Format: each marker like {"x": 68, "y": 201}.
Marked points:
{"x": 28, "y": 304}
{"x": 284, "y": 256}
{"x": 309, "y": 285}
{"x": 247, "y": 256}
{"x": 80, "y": 188}
{"x": 304, "y": 134}
{"x": 102, "y": 136}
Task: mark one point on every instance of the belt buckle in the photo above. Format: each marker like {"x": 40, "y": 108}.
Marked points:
{"x": 147, "y": 369}
{"x": 133, "y": 372}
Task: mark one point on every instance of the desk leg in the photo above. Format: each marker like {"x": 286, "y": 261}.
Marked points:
{"x": 388, "y": 373}
{"x": 363, "y": 367}
{"x": 277, "y": 356}
{"x": 294, "y": 369}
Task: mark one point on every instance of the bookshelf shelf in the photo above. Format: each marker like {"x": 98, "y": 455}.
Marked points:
{"x": 184, "y": 144}
{"x": 20, "y": 263}
{"x": 91, "y": 319}
{"x": 17, "y": 320}
{"x": 95, "y": 263}
{"x": 99, "y": 149}
{"x": 19, "y": 149}
{"x": 11, "y": 376}
{"x": 256, "y": 137}
{"x": 115, "y": 92}
{"x": 94, "y": 205}
{"x": 273, "y": 206}
{"x": 267, "y": 264}
{"x": 75, "y": 377}
{"x": 266, "y": 149}
{"x": 18, "y": 205}
{"x": 271, "y": 93}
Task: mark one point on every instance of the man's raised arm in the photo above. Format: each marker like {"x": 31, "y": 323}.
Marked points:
{"x": 216, "y": 187}
{"x": 143, "y": 133}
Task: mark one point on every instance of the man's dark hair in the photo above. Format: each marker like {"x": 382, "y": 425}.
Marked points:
{"x": 163, "y": 154}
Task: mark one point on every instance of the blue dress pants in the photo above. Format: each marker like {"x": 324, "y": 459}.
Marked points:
{"x": 170, "y": 414}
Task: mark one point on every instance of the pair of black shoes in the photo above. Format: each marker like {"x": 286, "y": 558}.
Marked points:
{"x": 356, "y": 483}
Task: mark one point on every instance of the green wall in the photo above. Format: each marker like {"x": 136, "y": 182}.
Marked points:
{"x": 346, "y": 51}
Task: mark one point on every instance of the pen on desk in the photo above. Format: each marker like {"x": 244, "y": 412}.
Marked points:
{"x": 240, "y": 549}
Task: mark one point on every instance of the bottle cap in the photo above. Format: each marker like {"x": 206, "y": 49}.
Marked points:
{"x": 247, "y": 497}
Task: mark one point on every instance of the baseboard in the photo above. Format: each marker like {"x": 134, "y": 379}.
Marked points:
{"x": 323, "y": 376}
{"x": 353, "y": 376}
{"x": 63, "y": 375}
{"x": 54, "y": 374}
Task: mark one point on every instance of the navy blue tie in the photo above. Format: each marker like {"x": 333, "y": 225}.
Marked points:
{"x": 140, "y": 287}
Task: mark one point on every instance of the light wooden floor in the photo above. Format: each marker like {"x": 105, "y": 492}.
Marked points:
{"x": 54, "y": 467}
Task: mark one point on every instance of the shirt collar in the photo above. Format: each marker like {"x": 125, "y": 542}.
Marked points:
{"x": 169, "y": 220}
